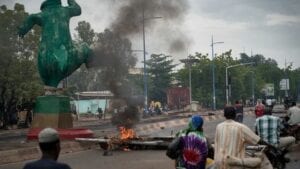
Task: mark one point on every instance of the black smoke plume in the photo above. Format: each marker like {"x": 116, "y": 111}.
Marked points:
{"x": 113, "y": 50}
{"x": 131, "y": 15}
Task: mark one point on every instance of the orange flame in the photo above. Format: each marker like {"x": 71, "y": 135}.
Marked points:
{"x": 126, "y": 133}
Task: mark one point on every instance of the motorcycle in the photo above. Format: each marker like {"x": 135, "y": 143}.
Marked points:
{"x": 290, "y": 130}
{"x": 274, "y": 155}
{"x": 259, "y": 157}
{"x": 255, "y": 159}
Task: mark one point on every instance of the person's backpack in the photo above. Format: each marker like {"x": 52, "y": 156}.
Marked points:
{"x": 174, "y": 148}
{"x": 259, "y": 111}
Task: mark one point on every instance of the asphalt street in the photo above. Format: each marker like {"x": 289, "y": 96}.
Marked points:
{"x": 137, "y": 159}
{"x": 93, "y": 159}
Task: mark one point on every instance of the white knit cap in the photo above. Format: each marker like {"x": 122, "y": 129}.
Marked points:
{"x": 48, "y": 135}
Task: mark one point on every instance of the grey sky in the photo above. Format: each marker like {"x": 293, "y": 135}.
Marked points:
{"x": 268, "y": 27}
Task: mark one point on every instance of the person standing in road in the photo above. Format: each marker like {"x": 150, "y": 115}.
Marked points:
{"x": 194, "y": 146}
{"x": 231, "y": 138}
{"x": 49, "y": 144}
{"x": 268, "y": 127}
{"x": 100, "y": 113}
{"x": 259, "y": 109}
{"x": 239, "y": 112}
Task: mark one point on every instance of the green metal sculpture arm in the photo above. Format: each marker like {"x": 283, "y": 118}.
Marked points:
{"x": 58, "y": 57}
{"x": 29, "y": 23}
{"x": 74, "y": 8}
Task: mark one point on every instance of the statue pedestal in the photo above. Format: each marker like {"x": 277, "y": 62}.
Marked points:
{"x": 54, "y": 111}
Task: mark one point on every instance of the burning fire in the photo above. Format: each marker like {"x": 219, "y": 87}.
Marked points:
{"x": 126, "y": 133}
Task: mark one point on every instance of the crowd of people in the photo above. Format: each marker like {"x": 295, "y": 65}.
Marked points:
{"x": 231, "y": 137}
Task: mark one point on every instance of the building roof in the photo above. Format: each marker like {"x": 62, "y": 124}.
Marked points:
{"x": 105, "y": 93}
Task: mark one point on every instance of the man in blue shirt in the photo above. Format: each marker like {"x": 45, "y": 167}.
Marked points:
{"x": 50, "y": 146}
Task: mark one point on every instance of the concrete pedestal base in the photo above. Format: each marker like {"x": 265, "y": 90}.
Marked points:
{"x": 64, "y": 134}
{"x": 52, "y": 111}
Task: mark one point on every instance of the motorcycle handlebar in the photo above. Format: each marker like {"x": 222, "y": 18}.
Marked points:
{"x": 256, "y": 147}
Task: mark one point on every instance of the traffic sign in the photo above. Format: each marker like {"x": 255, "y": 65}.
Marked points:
{"x": 284, "y": 84}
{"x": 269, "y": 89}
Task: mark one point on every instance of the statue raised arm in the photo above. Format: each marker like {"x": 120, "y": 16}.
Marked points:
{"x": 58, "y": 56}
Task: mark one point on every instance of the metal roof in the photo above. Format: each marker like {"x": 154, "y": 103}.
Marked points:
{"x": 105, "y": 93}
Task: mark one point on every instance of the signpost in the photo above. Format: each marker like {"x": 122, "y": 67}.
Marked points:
{"x": 269, "y": 89}
{"x": 284, "y": 84}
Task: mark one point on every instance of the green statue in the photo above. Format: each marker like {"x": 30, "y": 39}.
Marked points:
{"x": 58, "y": 56}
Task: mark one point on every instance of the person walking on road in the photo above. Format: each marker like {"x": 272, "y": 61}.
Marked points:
{"x": 231, "y": 138}
{"x": 239, "y": 111}
{"x": 49, "y": 144}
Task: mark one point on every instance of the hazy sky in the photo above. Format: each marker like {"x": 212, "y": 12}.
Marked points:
{"x": 268, "y": 27}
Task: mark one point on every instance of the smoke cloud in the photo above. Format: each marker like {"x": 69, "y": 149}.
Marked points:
{"x": 129, "y": 20}
{"x": 113, "y": 50}
{"x": 178, "y": 45}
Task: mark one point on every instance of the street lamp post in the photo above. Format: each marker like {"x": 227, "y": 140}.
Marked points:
{"x": 286, "y": 78}
{"x": 226, "y": 71}
{"x": 252, "y": 86}
{"x": 145, "y": 69}
{"x": 190, "y": 84}
{"x": 213, "y": 71}
{"x": 189, "y": 61}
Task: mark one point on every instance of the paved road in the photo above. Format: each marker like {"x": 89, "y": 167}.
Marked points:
{"x": 93, "y": 159}
{"x": 146, "y": 159}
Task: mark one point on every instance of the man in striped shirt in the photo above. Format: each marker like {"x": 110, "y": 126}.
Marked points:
{"x": 231, "y": 138}
{"x": 268, "y": 127}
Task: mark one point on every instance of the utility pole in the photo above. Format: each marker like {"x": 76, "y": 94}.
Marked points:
{"x": 145, "y": 69}
{"x": 253, "y": 93}
{"x": 188, "y": 62}
{"x": 213, "y": 71}
{"x": 286, "y": 79}
{"x": 226, "y": 76}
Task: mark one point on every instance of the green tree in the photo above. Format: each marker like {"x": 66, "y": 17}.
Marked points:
{"x": 83, "y": 79}
{"x": 85, "y": 32}
{"x": 19, "y": 79}
{"x": 264, "y": 70}
{"x": 295, "y": 83}
{"x": 160, "y": 69}
{"x": 201, "y": 79}
{"x": 112, "y": 58}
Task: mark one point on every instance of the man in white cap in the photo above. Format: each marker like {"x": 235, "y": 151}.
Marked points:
{"x": 50, "y": 146}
